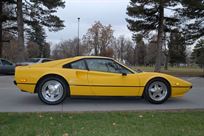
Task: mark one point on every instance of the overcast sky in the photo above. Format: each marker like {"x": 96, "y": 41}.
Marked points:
{"x": 107, "y": 11}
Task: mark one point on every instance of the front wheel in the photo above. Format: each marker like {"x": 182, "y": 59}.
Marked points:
{"x": 157, "y": 91}
{"x": 52, "y": 90}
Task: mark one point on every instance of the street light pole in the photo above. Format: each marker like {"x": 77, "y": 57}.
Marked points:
{"x": 78, "y": 52}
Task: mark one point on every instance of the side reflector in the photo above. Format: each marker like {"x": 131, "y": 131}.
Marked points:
{"x": 23, "y": 80}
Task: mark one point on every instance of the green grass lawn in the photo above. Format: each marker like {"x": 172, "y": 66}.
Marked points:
{"x": 103, "y": 124}
{"x": 176, "y": 71}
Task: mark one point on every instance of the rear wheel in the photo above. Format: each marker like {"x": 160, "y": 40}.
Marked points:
{"x": 157, "y": 91}
{"x": 52, "y": 90}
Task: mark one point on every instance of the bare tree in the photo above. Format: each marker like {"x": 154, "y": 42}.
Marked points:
{"x": 33, "y": 50}
{"x": 121, "y": 44}
{"x": 99, "y": 37}
{"x": 10, "y": 49}
{"x": 65, "y": 49}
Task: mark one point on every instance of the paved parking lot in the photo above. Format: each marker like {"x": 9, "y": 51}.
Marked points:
{"x": 13, "y": 100}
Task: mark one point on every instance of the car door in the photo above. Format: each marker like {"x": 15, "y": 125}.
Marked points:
{"x": 108, "y": 78}
{"x": 78, "y": 80}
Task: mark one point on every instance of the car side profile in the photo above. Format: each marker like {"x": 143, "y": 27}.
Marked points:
{"x": 95, "y": 76}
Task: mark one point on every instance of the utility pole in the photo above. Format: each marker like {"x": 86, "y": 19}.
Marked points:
{"x": 78, "y": 51}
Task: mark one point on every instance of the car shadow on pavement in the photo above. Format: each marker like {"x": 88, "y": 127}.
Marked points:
{"x": 34, "y": 100}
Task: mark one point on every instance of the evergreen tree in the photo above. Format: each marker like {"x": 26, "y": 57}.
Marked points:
{"x": 177, "y": 49}
{"x": 148, "y": 15}
{"x": 140, "y": 50}
{"x": 194, "y": 22}
{"x": 6, "y": 19}
{"x": 198, "y": 53}
{"x": 15, "y": 13}
{"x": 37, "y": 35}
{"x": 42, "y": 11}
{"x": 151, "y": 53}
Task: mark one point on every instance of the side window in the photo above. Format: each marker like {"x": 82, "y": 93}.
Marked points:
{"x": 78, "y": 65}
{"x": 97, "y": 65}
{"x": 122, "y": 69}
{"x": 112, "y": 67}
{"x": 105, "y": 65}
{"x": 4, "y": 62}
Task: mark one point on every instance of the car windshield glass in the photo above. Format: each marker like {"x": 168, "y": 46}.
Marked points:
{"x": 4, "y": 62}
{"x": 34, "y": 60}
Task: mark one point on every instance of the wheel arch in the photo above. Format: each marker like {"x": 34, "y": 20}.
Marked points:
{"x": 157, "y": 78}
{"x": 52, "y": 75}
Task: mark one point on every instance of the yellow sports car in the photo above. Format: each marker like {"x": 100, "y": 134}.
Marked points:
{"x": 95, "y": 76}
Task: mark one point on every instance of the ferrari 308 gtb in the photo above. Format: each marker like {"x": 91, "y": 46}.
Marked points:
{"x": 95, "y": 76}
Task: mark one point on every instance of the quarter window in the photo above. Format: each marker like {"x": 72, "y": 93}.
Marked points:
{"x": 78, "y": 65}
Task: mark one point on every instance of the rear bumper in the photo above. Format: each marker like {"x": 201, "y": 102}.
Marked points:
{"x": 24, "y": 87}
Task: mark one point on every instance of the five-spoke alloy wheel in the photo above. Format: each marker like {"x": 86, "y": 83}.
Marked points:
{"x": 157, "y": 91}
{"x": 52, "y": 90}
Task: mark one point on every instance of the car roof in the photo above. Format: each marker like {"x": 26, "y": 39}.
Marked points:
{"x": 84, "y": 57}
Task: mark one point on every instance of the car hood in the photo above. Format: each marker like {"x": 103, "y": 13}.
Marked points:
{"x": 174, "y": 81}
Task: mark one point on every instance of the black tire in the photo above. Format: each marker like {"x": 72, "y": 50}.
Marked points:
{"x": 148, "y": 95}
{"x": 64, "y": 90}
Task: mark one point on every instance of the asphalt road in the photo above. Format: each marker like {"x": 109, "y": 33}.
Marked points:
{"x": 13, "y": 100}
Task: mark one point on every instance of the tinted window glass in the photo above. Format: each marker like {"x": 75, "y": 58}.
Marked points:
{"x": 78, "y": 65}
{"x": 122, "y": 69}
{"x": 97, "y": 65}
{"x": 4, "y": 62}
{"x": 105, "y": 65}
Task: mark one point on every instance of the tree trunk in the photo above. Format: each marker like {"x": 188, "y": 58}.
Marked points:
{"x": 1, "y": 21}
{"x": 135, "y": 60}
{"x": 121, "y": 50}
{"x": 96, "y": 44}
{"x": 166, "y": 62}
{"x": 96, "y": 50}
{"x": 160, "y": 37}
{"x": 20, "y": 24}
{"x": 166, "y": 53}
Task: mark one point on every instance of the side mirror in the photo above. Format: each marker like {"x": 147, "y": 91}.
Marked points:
{"x": 124, "y": 74}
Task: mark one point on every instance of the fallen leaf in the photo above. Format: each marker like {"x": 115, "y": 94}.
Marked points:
{"x": 65, "y": 134}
